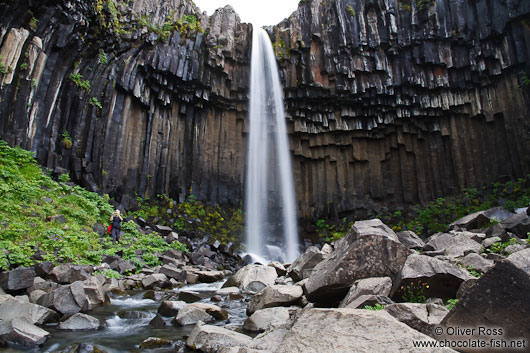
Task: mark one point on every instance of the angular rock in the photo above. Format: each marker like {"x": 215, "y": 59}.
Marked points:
{"x": 430, "y": 276}
{"x": 276, "y": 295}
{"x": 471, "y": 221}
{"x": 252, "y": 278}
{"x": 477, "y": 262}
{"x": 280, "y": 269}
{"x": 269, "y": 318}
{"x": 94, "y": 291}
{"x": 42, "y": 269}
{"x": 189, "y": 296}
{"x": 172, "y": 237}
{"x": 17, "y": 279}
{"x": 155, "y": 280}
{"x": 490, "y": 241}
{"x": 301, "y": 268}
{"x": 157, "y": 321}
{"x": 68, "y": 273}
{"x": 190, "y": 315}
{"x": 421, "y": 317}
{"x": 453, "y": 244}
{"x": 155, "y": 342}
{"x": 11, "y": 308}
{"x": 485, "y": 303}
{"x": 351, "y": 330}
{"x": 210, "y": 276}
{"x": 70, "y": 299}
{"x": 368, "y": 300}
{"x": 518, "y": 225}
{"x": 80, "y": 322}
{"x": 369, "y": 249}
{"x": 213, "y": 310}
{"x": 497, "y": 230}
{"x": 173, "y": 272}
{"x": 410, "y": 239}
{"x": 164, "y": 230}
{"x": 208, "y": 338}
{"x": 22, "y": 332}
{"x": 228, "y": 291}
{"x": 170, "y": 308}
{"x": 368, "y": 286}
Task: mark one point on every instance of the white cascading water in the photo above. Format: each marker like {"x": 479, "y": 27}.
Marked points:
{"x": 269, "y": 185}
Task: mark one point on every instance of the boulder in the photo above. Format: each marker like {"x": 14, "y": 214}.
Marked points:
{"x": 475, "y": 220}
{"x": 252, "y": 278}
{"x": 213, "y": 310}
{"x": 170, "y": 308}
{"x": 157, "y": 321}
{"x": 369, "y": 249}
{"x": 228, "y": 291}
{"x": 42, "y": 269}
{"x": 12, "y": 308}
{"x": 155, "y": 342}
{"x": 410, "y": 239}
{"x": 94, "y": 291}
{"x": 269, "y": 318}
{"x": 190, "y": 315}
{"x": 276, "y": 295}
{"x": 21, "y": 331}
{"x": 208, "y": 338}
{"x": 369, "y": 300}
{"x": 189, "y": 296}
{"x": 69, "y": 273}
{"x": 477, "y": 262}
{"x": 171, "y": 237}
{"x": 172, "y": 271}
{"x": 421, "y": 317}
{"x": 374, "y": 286}
{"x": 164, "y": 230}
{"x": 123, "y": 266}
{"x": 17, "y": 279}
{"x": 453, "y": 244}
{"x": 352, "y": 331}
{"x": 210, "y": 276}
{"x": 280, "y": 269}
{"x": 430, "y": 277}
{"x": 497, "y": 230}
{"x": 155, "y": 280}
{"x": 70, "y": 299}
{"x": 301, "y": 268}
{"x": 80, "y": 322}
{"x": 490, "y": 241}
{"x": 518, "y": 224}
{"x": 498, "y": 299}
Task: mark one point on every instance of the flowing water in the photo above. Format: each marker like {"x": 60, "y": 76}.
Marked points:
{"x": 125, "y": 323}
{"x": 271, "y": 228}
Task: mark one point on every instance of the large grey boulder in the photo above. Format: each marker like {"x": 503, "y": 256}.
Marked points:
{"x": 190, "y": 315}
{"x": 366, "y": 286}
{"x": 276, "y": 295}
{"x": 94, "y": 291}
{"x": 70, "y": 299}
{"x": 421, "y": 317}
{"x": 170, "y": 307}
{"x": 155, "y": 280}
{"x": 301, "y": 268}
{"x": 68, "y": 273}
{"x": 174, "y": 272}
{"x": 80, "y": 322}
{"x": 518, "y": 224}
{"x": 474, "y": 220}
{"x": 351, "y": 331}
{"x": 453, "y": 244}
{"x": 11, "y": 308}
{"x": 369, "y": 249}
{"x": 208, "y": 338}
{"x": 21, "y": 331}
{"x": 210, "y": 276}
{"x": 17, "y": 279}
{"x": 477, "y": 262}
{"x": 269, "y": 318}
{"x": 498, "y": 299}
{"x": 252, "y": 278}
{"x": 213, "y": 310}
{"x": 430, "y": 276}
{"x": 410, "y": 239}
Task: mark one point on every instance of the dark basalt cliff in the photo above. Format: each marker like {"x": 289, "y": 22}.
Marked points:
{"x": 389, "y": 102}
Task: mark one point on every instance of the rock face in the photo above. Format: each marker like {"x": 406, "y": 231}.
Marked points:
{"x": 369, "y": 249}
{"x": 278, "y": 295}
{"x": 485, "y": 302}
{"x": 385, "y": 100}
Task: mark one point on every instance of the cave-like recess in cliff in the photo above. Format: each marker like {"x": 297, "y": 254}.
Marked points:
{"x": 389, "y": 102}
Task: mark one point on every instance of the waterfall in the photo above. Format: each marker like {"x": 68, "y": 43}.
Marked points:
{"x": 271, "y": 225}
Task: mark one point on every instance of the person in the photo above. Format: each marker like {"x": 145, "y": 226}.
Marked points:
{"x": 116, "y": 220}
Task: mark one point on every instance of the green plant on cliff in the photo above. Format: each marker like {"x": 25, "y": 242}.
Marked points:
{"x": 525, "y": 80}
{"x": 37, "y": 213}
{"x": 79, "y": 81}
{"x": 66, "y": 140}
{"x": 350, "y": 10}
{"x": 414, "y": 291}
{"x": 331, "y": 231}
{"x": 375, "y": 307}
{"x": 94, "y": 101}
{"x": 451, "y": 303}
{"x": 424, "y": 4}
{"x": 3, "y": 69}
{"x": 185, "y": 24}
{"x": 103, "y": 59}
{"x": 280, "y": 49}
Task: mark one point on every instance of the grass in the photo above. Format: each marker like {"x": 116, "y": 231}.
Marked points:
{"x": 57, "y": 218}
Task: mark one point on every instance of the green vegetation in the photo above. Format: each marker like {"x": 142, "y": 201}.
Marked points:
{"x": 414, "y": 292}
{"x": 102, "y": 57}
{"x": 406, "y": 5}
{"x": 436, "y": 215}
{"x": 108, "y": 274}
{"x": 376, "y": 307}
{"x": 350, "y": 10}
{"x": 424, "y": 4}
{"x": 185, "y": 24}
{"x": 332, "y": 232}
{"x": 33, "y": 22}
{"x": 525, "y": 80}
{"x": 474, "y": 272}
{"x": 109, "y": 16}
{"x": 451, "y": 303}
{"x": 40, "y": 214}
{"x": 95, "y": 102}
{"x": 303, "y": 2}
{"x": 79, "y": 81}
{"x": 66, "y": 140}
{"x": 3, "y": 68}
{"x": 24, "y": 66}
{"x": 223, "y": 224}
{"x": 499, "y": 247}
{"x": 280, "y": 49}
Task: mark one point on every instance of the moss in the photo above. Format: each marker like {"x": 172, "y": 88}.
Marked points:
{"x": 280, "y": 49}
{"x": 350, "y": 10}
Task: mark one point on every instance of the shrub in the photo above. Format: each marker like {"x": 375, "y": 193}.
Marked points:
{"x": 67, "y": 140}
{"x": 79, "y": 81}
{"x": 95, "y": 102}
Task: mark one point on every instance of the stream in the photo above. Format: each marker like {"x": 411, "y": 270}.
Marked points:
{"x": 125, "y": 323}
